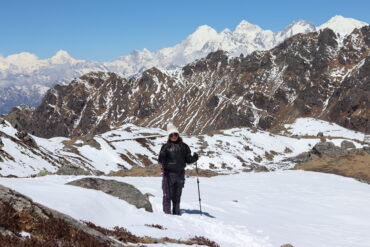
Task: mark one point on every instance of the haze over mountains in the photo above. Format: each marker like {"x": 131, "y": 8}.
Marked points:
{"x": 24, "y": 77}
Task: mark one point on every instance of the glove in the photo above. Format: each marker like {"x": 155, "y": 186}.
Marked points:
{"x": 195, "y": 156}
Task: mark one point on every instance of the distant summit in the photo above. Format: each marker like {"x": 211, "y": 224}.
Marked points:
{"x": 342, "y": 25}
{"x": 26, "y": 69}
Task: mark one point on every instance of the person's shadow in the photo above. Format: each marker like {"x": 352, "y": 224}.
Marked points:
{"x": 195, "y": 211}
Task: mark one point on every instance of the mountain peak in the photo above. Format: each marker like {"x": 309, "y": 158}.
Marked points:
{"x": 342, "y": 25}
{"x": 245, "y": 26}
{"x": 300, "y": 26}
{"x": 204, "y": 30}
{"x": 61, "y": 56}
{"x": 202, "y": 35}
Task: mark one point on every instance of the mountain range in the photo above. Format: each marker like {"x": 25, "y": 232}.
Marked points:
{"x": 318, "y": 74}
{"x": 25, "y": 78}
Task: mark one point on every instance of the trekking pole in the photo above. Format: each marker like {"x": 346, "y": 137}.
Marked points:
{"x": 200, "y": 201}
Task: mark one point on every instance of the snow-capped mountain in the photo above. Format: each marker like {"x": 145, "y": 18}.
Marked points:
{"x": 27, "y": 69}
{"x": 342, "y": 25}
{"x": 319, "y": 75}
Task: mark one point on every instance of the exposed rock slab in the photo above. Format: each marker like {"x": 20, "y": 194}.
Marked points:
{"x": 328, "y": 148}
{"x": 123, "y": 191}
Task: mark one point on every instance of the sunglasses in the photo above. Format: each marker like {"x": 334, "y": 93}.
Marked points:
{"x": 174, "y": 134}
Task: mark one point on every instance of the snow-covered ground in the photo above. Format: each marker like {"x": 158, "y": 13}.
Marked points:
{"x": 311, "y": 126}
{"x": 228, "y": 150}
{"x": 250, "y": 209}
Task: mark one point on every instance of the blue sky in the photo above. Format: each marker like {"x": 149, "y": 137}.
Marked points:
{"x": 103, "y": 30}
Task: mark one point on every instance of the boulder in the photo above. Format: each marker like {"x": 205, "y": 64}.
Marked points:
{"x": 319, "y": 150}
{"x": 347, "y": 145}
{"x": 328, "y": 148}
{"x": 20, "y": 214}
{"x": 1, "y": 144}
{"x": 123, "y": 191}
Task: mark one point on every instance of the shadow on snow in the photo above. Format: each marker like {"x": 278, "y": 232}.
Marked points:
{"x": 195, "y": 211}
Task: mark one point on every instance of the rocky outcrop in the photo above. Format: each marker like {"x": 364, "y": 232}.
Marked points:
{"x": 26, "y": 139}
{"x": 307, "y": 75}
{"x": 254, "y": 168}
{"x": 328, "y": 149}
{"x": 321, "y": 149}
{"x": 123, "y": 191}
{"x": 347, "y": 145}
{"x": 45, "y": 226}
{"x": 75, "y": 170}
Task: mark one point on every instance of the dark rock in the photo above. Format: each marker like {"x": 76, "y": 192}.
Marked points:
{"x": 328, "y": 148}
{"x": 328, "y": 37}
{"x": 218, "y": 56}
{"x": 93, "y": 143}
{"x": 121, "y": 190}
{"x": 260, "y": 168}
{"x": 1, "y": 144}
{"x": 26, "y": 139}
{"x": 265, "y": 122}
{"x": 347, "y": 145}
{"x": 302, "y": 107}
{"x": 254, "y": 168}
{"x": 320, "y": 134}
{"x": 213, "y": 102}
{"x": 280, "y": 94}
{"x": 366, "y": 149}
{"x": 287, "y": 245}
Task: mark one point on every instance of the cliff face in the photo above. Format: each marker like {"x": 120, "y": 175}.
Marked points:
{"x": 316, "y": 75}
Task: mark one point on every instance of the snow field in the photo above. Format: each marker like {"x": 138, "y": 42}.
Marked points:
{"x": 250, "y": 209}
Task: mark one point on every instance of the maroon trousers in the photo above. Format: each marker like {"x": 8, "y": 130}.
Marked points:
{"x": 172, "y": 184}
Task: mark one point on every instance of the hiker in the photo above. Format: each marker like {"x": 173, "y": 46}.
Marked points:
{"x": 173, "y": 157}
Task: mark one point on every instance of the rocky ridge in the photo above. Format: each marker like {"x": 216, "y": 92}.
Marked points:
{"x": 25, "y": 77}
{"x": 317, "y": 75}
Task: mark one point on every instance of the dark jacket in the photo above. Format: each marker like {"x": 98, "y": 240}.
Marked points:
{"x": 174, "y": 156}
